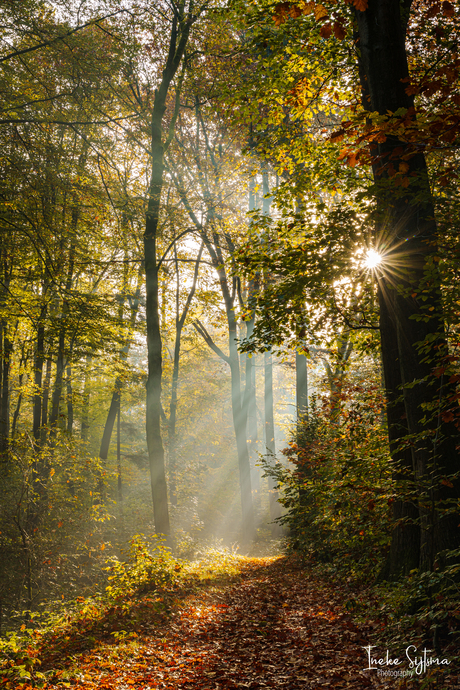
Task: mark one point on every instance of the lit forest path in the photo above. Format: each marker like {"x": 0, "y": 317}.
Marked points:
{"x": 270, "y": 626}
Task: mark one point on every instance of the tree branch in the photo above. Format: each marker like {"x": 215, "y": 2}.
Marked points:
{"x": 209, "y": 341}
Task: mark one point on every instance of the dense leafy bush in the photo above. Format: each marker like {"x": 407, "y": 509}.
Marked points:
{"x": 337, "y": 488}
{"x": 146, "y": 568}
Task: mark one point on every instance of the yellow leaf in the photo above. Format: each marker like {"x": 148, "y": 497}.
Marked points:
{"x": 307, "y": 7}
{"x": 320, "y": 12}
{"x": 52, "y": 472}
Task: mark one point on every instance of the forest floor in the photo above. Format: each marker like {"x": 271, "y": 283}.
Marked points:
{"x": 250, "y": 623}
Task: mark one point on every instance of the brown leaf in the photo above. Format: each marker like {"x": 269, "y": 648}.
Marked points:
{"x": 360, "y": 5}
{"x": 448, "y": 9}
{"x": 339, "y": 31}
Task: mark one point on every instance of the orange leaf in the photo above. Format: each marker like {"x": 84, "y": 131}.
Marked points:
{"x": 352, "y": 160}
{"x": 360, "y": 5}
{"x": 325, "y": 30}
{"x": 404, "y": 167}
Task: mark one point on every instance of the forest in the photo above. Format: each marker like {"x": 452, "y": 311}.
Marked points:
{"x": 229, "y": 344}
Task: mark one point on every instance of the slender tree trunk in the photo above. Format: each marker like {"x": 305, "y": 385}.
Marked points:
{"x": 7, "y": 349}
{"x": 112, "y": 413}
{"x": 250, "y": 403}
{"x": 270, "y": 440}
{"x": 85, "y": 401}
{"x": 301, "y": 384}
{"x": 250, "y": 398}
{"x": 38, "y": 375}
{"x": 121, "y": 516}
{"x": 214, "y": 248}
{"x": 110, "y": 421}
{"x": 69, "y": 399}
{"x": 180, "y": 30}
{"x": 239, "y": 425}
{"x": 57, "y": 390}
{"x": 40, "y": 469}
{"x": 180, "y": 321}
{"x": 46, "y": 393}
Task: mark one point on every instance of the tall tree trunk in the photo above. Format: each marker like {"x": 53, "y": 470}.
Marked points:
{"x": 178, "y": 38}
{"x": 121, "y": 516}
{"x": 114, "y": 404}
{"x": 40, "y": 469}
{"x": 269, "y": 418}
{"x": 7, "y": 349}
{"x": 301, "y": 384}
{"x": 270, "y": 440}
{"x": 239, "y": 425}
{"x": 46, "y": 394}
{"x": 38, "y": 375}
{"x": 85, "y": 401}
{"x": 404, "y": 554}
{"x": 407, "y": 235}
{"x": 250, "y": 399}
{"x": 250, "y": 413}
{"x": 57, "y": 390}
{"x": 180, "y": 321}
{"x": 69, "y": 400}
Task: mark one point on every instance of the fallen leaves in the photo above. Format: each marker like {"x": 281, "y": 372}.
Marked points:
{"x": 275, "y": 627}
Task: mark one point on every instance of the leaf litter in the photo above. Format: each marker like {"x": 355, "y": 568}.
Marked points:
{"x": 267, "y": 624}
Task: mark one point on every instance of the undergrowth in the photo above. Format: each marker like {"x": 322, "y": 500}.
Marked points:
{"x": 140, "y": 593}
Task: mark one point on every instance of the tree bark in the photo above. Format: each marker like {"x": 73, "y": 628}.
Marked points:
{"x": 404, "y": 554}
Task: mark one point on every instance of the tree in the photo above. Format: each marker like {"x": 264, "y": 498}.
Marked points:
{"x": 380, "y": 130}
{"x": 183, "y": 17}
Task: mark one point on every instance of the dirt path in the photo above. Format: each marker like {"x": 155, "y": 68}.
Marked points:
{"x": 274, "y": 628}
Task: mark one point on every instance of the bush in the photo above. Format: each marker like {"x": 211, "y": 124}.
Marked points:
{"x": 146, "y": 568}
{"x": 337, "y": 488}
